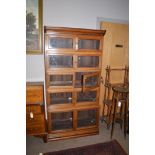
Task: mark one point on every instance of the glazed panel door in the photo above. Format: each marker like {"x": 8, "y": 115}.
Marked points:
{"x": 89, "y": 43}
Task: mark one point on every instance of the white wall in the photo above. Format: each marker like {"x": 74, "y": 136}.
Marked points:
{"x": 35, "y": 68}
{"x": 83, "y": 13}
{"x": 75, "y": 13}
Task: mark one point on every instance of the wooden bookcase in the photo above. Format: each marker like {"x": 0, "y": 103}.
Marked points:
{"x": 73, "y": 72}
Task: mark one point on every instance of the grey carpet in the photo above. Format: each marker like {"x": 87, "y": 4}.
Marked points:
{"x": 35, "y": 145}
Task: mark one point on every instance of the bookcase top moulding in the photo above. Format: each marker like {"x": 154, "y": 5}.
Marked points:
{"x": 52, "y": 30}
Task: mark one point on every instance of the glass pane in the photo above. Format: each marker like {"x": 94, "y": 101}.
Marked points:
{"x": 86, "y": 96}
{"x": 61, "y": 80}
{"x": 89, "y": 44}
{"x": 88, "y": 61}
{"x": 86, "y": 118}
{"x": 60, "y": 61}
{"x": 79, "y": 77}
{"x": 61, "y": 98}
{"x": 61, "y": 42}
{"x": 63, "y": 120}
{"x": 92, "y": 81}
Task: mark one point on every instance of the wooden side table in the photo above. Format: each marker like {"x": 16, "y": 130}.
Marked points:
{"x": 120, "y": 99}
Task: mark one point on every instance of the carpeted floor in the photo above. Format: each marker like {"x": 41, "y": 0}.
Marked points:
{"x": 35, "y": 145}
{"x": 107, "y": 148}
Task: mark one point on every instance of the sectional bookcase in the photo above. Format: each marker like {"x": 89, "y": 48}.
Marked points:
{"x": 73, "y": 75}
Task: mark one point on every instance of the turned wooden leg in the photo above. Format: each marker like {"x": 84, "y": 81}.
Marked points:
{"x": 113, "y": 118}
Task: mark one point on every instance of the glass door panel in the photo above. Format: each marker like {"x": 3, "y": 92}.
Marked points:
{"x": 62, "y": 120}
{"x": 61, "y": 80}
{"x": 88, "y": 61}
{"x": 59, "y": 42}
{"x": 79, "y": 78}
{"x": 90, "y": 81}
{"x": 60, "y": 61}
{"x": 87, "y": 118}
{"x": 61, "y": 98}
{"x": 89, "y": 44}
{"x": 89, "y": 96}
